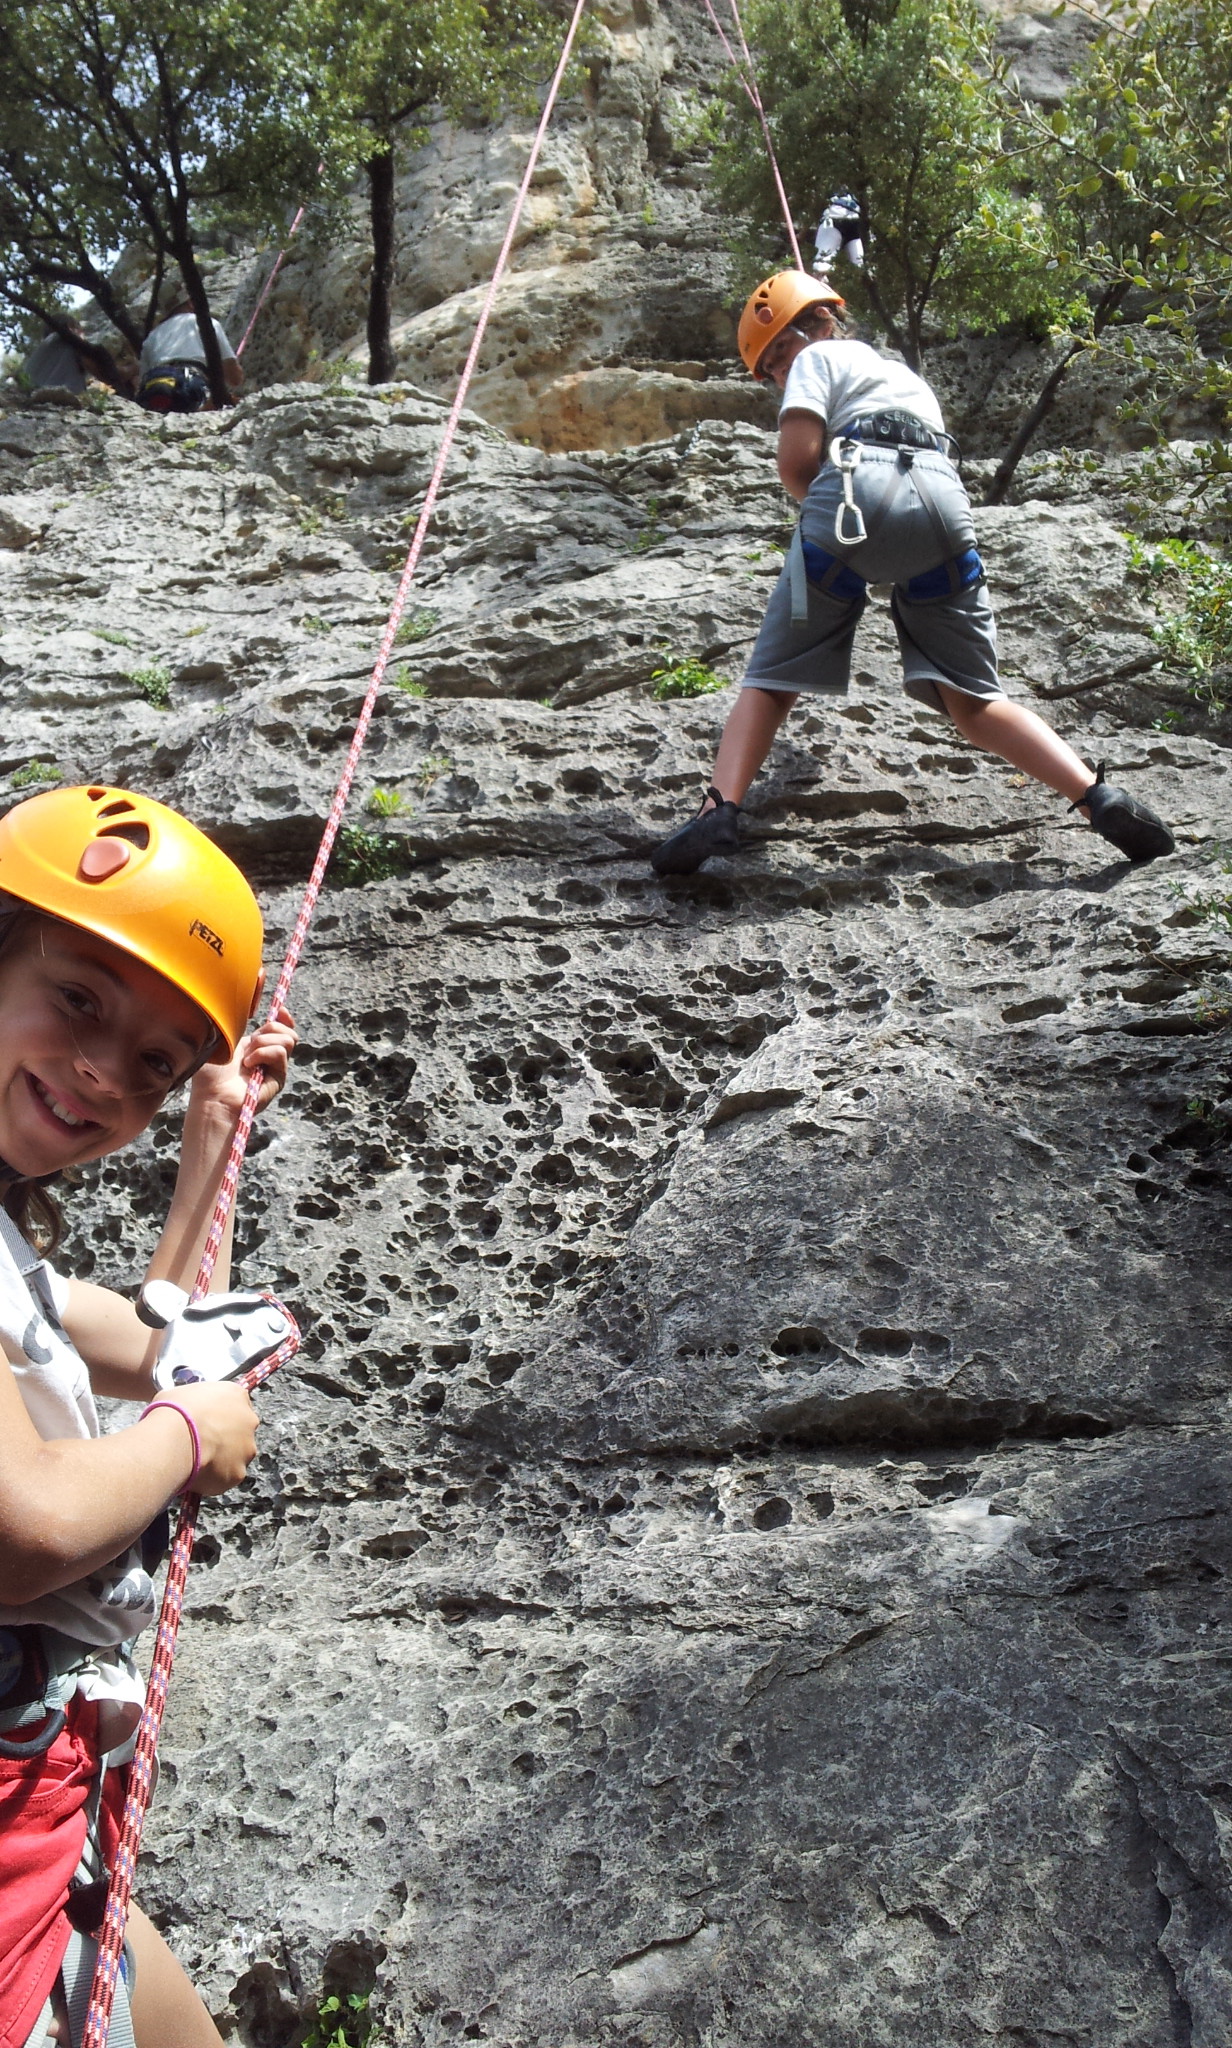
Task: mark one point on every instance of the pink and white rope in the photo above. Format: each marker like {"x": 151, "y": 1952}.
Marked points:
{"x": 268, "y": 286}
{"x": 141, "y": 1772}
{"x": 747, "y": 75}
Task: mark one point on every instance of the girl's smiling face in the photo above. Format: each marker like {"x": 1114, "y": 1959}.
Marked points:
{"x": 91, "y": 1043}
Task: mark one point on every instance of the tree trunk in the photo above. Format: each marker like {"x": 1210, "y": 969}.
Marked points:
{"x": 381, "y": 195}
{"x": 194, "y": 285}
{"x": 1047, "y": 397}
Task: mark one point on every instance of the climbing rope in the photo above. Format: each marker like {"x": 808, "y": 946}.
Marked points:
{"x": 141, "y": 1771}
{"x": 747, "y": 75}
{"x": 268, "y": 286}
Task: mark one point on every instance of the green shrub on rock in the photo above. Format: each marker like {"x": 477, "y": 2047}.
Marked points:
{"x": 686, "y": 678}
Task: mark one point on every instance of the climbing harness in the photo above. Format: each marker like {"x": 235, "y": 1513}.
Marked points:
{"x": 748, "y": 80}
{"x": 38, "y": 1677}
{"x": 279, "y": 260}
{"x": 907, "y": 436}
{"x": 903, "y": 430}
{"x": 107, "y": 1971}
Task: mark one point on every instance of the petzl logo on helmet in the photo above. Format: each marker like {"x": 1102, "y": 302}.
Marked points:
{"x": 197, "y": 930}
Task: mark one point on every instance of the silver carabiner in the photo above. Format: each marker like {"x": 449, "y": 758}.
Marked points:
{"x": 845, "y": 453}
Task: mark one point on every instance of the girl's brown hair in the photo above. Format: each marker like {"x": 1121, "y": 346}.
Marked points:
{"x": 37, "y": 1214}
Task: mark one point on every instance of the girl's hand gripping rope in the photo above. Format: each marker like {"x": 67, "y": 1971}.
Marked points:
{"x": 221, "y": 1084}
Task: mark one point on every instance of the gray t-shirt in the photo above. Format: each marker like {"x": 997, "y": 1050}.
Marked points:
{"x": 840, "y": 380}
{"x": 178, "y": 340}
{"x": 53, "y": 365}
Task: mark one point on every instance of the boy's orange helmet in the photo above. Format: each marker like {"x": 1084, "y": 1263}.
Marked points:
{"x": 774, "y": 305}
{"x": 140, "y": 876}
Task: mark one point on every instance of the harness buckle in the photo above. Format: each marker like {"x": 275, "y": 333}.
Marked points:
{"x": 218, "y": 1338}
{"x": 845, "y": 453}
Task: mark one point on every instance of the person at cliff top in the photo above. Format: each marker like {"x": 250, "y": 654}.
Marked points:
{"x": 171, "y": 375}
{"x": 130, "y": 961}
{"x": 863, "y": 448}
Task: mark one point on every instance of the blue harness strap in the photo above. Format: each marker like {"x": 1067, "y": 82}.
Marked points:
{"x": 828, "y": 573}
{"x": 947, "y": 579}
{"x": 831, "y": 574}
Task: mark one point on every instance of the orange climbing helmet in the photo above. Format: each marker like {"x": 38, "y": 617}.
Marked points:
{"x": 140, "y": 876}
{"x": 778, "y": 301}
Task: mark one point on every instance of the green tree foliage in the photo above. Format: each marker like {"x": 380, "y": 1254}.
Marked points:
{"x": 1142, "y": 154}
{"x": 143, "y": 121}
{"x": 890, "y": 100}
{"x": 389, "y": 61}
{"x": 1134, "y": 176}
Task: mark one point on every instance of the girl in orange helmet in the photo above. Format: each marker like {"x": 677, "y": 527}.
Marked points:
{"x": 130, "y": 962}
{"x": 889, "y": 508}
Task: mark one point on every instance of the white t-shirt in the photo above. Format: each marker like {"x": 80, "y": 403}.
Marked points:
{"x": 178, "y": 340}
{"x": 115, "y": 1603}
{"x": 840, "y": 380}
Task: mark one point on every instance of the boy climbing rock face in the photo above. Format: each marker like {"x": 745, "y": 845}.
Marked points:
{"x": 864, "y": 451}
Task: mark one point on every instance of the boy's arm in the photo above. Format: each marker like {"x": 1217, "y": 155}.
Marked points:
{"x": 802, "y": 450}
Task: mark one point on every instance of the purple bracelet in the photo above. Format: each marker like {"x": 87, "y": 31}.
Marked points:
{"x": 183, "y": 1413}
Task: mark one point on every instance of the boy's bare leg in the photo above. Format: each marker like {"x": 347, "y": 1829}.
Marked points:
{"x": 167, "y": 2012}
{"x": 1021, "y": 737}
{"x": 748, "y": 736}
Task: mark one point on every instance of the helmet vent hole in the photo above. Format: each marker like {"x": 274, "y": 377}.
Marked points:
{"x": 96, "y": 795}
{"x": 137, "y": 835}
{"x": 114, "y": 810}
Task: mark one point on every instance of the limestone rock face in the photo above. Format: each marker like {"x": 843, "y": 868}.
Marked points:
{"x": 615, "y": 324}
{"x": 742, "y": 1555}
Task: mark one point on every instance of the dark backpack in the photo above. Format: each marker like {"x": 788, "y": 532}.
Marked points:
{"x": 174, "y": 387}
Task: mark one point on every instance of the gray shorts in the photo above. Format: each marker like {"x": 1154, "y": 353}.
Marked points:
{"x": 950, "y": 639}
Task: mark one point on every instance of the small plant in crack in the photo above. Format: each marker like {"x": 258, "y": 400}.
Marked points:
{"x": 154, "y": 683}
{"x": 386, "y": 803}
{"x": 340, "y": 2023}
{"x": 34, "y": 775}
{"x": 416, "y": 626}
{"x": 362, "y": 857}
{"x": 687, "y": 678}
{"x": 431, "y": 769}
{"x": 652, "y": 533}
{"x": 1212, "y": 905}
{"x": 409, "y": 684}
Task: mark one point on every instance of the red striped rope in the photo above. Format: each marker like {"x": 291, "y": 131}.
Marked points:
{"x": 747, "y": 75}
{"x": 140, "y": 1785}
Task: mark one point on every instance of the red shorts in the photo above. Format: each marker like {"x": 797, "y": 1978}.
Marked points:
{"x": 43, "y": 1803}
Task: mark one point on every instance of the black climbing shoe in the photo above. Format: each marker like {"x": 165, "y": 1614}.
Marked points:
{"x": 1117, "y": 816}
{"x": 710, "y": 832}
